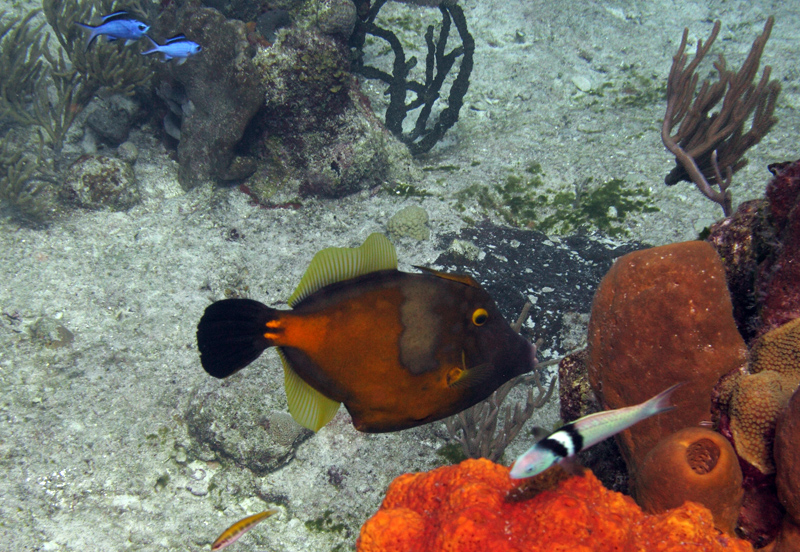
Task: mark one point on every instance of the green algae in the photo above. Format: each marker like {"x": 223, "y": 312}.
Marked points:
{"x": 638, "y": 90}
{"x": 452, "y": 453}
{"x": 325, "y": 524}
{"x": 527, "y": 200}
{"x": 406, "y": 190}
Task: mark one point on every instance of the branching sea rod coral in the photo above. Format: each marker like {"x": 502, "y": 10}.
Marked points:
{"x": 709, "y": 148}
{"x": 438, "y": 65}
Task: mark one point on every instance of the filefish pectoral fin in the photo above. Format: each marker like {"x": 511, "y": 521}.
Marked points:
{"x": 308, "y": 407}
{"x": 460, "y": 376}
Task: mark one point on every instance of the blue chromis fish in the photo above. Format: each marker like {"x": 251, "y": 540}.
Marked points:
{"x": 398, "y": 349}
{"x": 178, "y": 47}
{"x": 585, "y": 432}
{"x": 116, "y": 26}
{"x": 235, "y": 531}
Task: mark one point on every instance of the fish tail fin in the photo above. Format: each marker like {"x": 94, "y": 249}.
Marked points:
{"x": 663, "y": 401}
{"x": 92, "y": 35}
{"x": 230, "y": 335}
{"x": 154, "y": 49}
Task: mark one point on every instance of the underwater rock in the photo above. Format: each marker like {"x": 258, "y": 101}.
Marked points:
{"x": 409, "y": 222}
{"x": 742, "y": 241}
{"x": 222, "y": 85}
{"x": 101, "y": 182}
{"x": 128, "y": 152}
{"x": 659, "y": 317}
{"x": 777, "y": 285}
{"x": 336, "y": 17}
{"x": 316, "y": 133}
{"x": 576, "y": 397}
{"x": 50, "y": 333}
{"x": 693, "y": 464}
{"x": 467, "y": 508}
{"x": 111, "y": 118}
{"x": 270, "y": 21}
{"x": 557, "y": 275}
{"x": 237, "y": 425}
{"x": 231, "y": 486}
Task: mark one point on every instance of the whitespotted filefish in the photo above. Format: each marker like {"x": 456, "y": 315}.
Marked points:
{"x": 398, "y": 349}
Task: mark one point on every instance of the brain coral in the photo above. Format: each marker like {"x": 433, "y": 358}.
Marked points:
{"x": 754, "y": 401}
{"x": 464, "y": 508}
{"x": 754, "y": 409}
{"x": 778, "y": 350}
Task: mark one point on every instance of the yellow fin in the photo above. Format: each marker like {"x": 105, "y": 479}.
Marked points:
{"x": 308, "y": 407}
{"x": 336, "y": 264}
{"x": 462, "y": 278}
{"x": 475, "y": 376}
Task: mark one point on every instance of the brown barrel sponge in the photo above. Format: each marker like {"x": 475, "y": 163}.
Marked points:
{"x": 693, "y": 464}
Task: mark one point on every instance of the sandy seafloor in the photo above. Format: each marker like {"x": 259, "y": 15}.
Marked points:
{"x": 93, "y": 442}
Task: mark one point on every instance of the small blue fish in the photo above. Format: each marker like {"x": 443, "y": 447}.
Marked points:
{"x": 178, "y": 47}
{"x": 115, "y": 26}
{"x": 586, "y": 432}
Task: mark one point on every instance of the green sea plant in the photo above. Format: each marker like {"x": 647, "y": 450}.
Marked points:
{"x": 49, "y": 87}
{"x": 22, "y": 45}
{"x": 26, "y": 183}
{"x": 78, "y": 73}
{"x": 529, "y": 201}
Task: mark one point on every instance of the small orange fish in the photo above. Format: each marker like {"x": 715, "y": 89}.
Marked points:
{"x": 235, "y": 531}
{"x": 398, "y": 349}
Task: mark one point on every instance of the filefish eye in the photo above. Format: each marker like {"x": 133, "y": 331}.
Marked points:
{"x": 479, "y": 317}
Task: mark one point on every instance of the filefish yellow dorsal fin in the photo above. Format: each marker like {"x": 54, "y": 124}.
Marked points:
{"x": 462, "y": 278}
{"x": 308, "y": 407}
{"x": 336, "y": 264}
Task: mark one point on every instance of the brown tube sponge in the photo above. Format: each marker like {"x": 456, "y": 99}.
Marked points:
{"x": 693, "y": 464}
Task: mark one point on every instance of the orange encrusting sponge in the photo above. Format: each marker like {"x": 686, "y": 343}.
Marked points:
{"x": 464, "y": 508}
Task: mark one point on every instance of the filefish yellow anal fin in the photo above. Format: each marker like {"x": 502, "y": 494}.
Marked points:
{"x": 336, "y": 264}
{"x": 308, "y": 407}
{"x": 461, "y": 278}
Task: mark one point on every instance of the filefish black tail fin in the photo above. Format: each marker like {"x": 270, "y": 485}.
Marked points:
{"x": 230, "y": 335}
